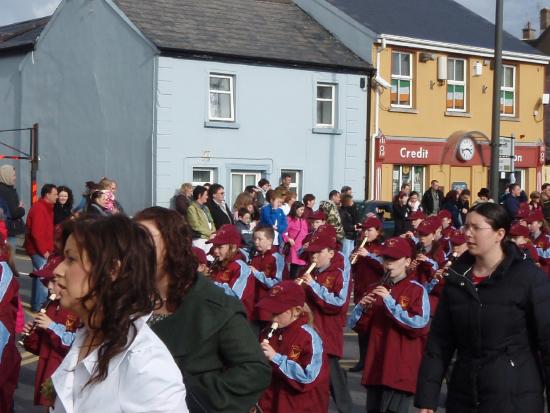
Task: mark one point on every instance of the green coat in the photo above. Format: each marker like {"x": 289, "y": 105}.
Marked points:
{"x": 198, "y": 219}
{"x": 218, "y": 354}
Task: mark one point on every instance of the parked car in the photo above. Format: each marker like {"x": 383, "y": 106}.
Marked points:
{"x": 382, "y": 209}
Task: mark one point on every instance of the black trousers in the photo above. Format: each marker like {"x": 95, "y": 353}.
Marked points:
{"x": 339, "y": 386}
{"x": 381, "y": 399}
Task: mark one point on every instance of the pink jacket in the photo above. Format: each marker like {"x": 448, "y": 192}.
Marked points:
{"x": 297, "y": 230}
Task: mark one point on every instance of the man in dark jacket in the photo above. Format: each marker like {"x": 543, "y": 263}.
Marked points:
{"x": 432, "y": 199}
{"x": 512, "y": 201}
{"x": 221, "y": 214}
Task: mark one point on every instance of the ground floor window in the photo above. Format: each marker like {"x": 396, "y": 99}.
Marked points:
{"x": 240, "y": 180}
{"x": 296, "y": 184}
{"x": 411, "y": 174}
{"x": 203, "y": 175}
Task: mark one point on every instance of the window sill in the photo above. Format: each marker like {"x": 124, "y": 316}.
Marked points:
{"x": 327, "y": 131}
{"x": 403, "y": 110}
{"x": 221, "y": 125}
{"x": 509, "y": 119}
{"x": 458, "y": 114}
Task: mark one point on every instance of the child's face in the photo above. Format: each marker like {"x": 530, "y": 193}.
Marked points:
{"x": 261, "y": 242}
{"x": 371, "y": 234}
{"x": 285, "y": 318}
{"x": 519, "y": 240}
{"x": 427, "y": 240}
{"x": 221, "y": 251}
{"x": 245, "y": 218}
{"x": 311, "y": 204}
{"x": 276, "y": 203}
{"x": 534, "y": 227}
{"x": 323, "y": 257}
{"x": 416, "y": 223}
{"x": 397, "y": 267}
{"x": 445, "y": 222}
{"x": 203, "y": 268}
{"x": 317, "y": 223}
{"x": 300, "y": 212}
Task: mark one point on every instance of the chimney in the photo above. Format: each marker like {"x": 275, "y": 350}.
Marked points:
{"x": 544, "y": 19}
{"x": 528, "y": 32}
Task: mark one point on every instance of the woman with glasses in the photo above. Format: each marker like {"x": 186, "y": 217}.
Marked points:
{"x": 495, "y": 313}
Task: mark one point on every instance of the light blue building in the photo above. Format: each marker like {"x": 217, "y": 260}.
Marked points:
{"x": 154, "y": 94}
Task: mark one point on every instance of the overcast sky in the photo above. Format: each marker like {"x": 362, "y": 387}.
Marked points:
{"x": 516, "y": 12}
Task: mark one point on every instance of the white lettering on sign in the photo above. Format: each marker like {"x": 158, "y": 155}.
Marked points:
{"x": 518, "y": 158}
{"x": 421, "y": 153}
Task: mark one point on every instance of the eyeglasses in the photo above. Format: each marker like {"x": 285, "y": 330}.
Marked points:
{"x": 474, "y": 228}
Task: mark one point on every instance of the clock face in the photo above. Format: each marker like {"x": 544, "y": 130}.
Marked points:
{"x": 466, "y": 149}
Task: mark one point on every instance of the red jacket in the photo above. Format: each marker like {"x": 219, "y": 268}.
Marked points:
{"x": 328, "y": 299}
{"x": 542, "y": 245}
{"x": 396, "y": 326}
{"x": 367, "y": 271}
{"x": 300, "y": 379}
{"x": 10, "y": 359}
{"x": 270, "y": 266}
{"x": 40, "y": 234}
{"x": 51, "y": 345}
{"x": 235, "y": 278}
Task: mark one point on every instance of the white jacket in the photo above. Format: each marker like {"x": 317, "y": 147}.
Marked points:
{"x": 143, "y": 378}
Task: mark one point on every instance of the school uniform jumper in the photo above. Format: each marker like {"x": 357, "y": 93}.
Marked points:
{"x": 270, "y": 266}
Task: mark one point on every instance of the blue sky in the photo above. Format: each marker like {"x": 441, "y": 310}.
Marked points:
{"x": 516, "y": 12}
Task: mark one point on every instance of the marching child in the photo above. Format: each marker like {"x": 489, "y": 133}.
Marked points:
{"x": 229, "y": 271}
{"x": 50, "y": 335}
{"x": 519, "y": 234}
{"x": 367, "y": 271}
{"x": 327, "y": 294}
{"x": 272, "y": 215}
{"x": 295, "y": 350}
{"x": 395, "y": 314}
{"x": 267, "y": 265}
{"x": 447, "y": 230}
{"x": 539, "y": 235}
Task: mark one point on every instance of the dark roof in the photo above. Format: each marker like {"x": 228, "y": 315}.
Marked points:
{"x": 22, "y": 35}
{"x": 258, "y": 30}
{"x": 437, "y": 20}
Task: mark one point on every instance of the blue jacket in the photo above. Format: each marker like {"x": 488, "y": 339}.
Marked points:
{"x": 271, "y": 217}
{"x": 511, "y": 203}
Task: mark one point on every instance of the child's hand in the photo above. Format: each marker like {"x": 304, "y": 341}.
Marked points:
{"x": 42, "y": 321}
{"x": 268, "y": 350}
{"x": 367, "y": 300}
{"x": 362, "y": 252}
{"x": 253, "y": 269}
{"x": 27, "y": 328}
{"x": 308, "y": 279}
{"x": 421, "y": 257}
{"x": 291, "y": 242}
{"x": 381, "y": 291}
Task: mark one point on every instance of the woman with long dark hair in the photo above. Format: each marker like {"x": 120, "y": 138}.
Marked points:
{"x": 494, "y": 313}
{"x": 62, "y": 209}
{"x": 401, "y": 212}
{"x": 205, "y": 330}
{"x": 116, "y": 363}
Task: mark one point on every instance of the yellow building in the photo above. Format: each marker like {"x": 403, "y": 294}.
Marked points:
{"x": 431, "y": 100}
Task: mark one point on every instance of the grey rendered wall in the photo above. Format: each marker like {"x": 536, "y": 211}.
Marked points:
{"x": 275, "y": 109}
{"x": 90, "y": 87}
{"x": 354, "y": 35}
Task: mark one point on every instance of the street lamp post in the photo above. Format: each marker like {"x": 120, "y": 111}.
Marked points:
{"x": 497, "y": 82}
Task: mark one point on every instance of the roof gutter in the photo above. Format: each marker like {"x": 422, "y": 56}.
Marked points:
{"x": 460, "y": 49}
{"x": 254, "y": 60}
{"x": 17, "y": 49}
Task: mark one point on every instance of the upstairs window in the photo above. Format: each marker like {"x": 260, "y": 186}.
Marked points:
{"x": 326, "y": 105}
{"x": 221, "y": 98}
{"x": 401, "y": 79}
{"x": 508, "y": 91}
{"x": 456, "y": 84}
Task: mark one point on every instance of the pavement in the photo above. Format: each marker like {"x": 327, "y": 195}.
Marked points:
{"x": 25, "y": 391}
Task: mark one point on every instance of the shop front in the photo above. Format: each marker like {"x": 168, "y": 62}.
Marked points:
{"x": 460, "y": 161}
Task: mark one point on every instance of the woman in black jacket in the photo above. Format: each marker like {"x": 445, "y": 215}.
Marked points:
{"x": 495, "y": 312}
{"x": 15, "y": 208}
{"x": 400, "y": 212}
{"x": 450, "y": 203}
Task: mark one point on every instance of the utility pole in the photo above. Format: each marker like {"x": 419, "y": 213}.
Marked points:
{"x": 497, "y": 82}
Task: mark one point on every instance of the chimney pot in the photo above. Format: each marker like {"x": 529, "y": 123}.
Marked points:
{"x": 528, "y": 32}
{"x": 544, "y": 19}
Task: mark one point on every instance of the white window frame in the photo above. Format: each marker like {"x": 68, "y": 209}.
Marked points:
{"x": 504, "y": 89}
{"x": 211, "y": 171}
{"x": 401, "y": 77}
{"x": 231, "y": 94}
{"x": 412, "y": 183}
{"x": 297, "y": 183}
{"x": 457, "y": 83}
{"x": 258, "y": 176}
{"x": 333, "y": 106}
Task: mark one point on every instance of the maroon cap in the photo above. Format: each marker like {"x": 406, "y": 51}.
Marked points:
{"x": 371, "y": 222}
{"x": 458, "y": 238}
{"x": 396, "y": 247}
{"x": 227, "y": 234}
{"x": 535, "y": 215}
{"x": 318, "y": 215}
{"x": 46, "y": 272}
{"x": 436, "y": 221}
{"x": 523, "y": 211}
{"x": 518, "y": 230}
{"x": 417, "y": 215}
{"x": 281, "y": 297}
{"x": 324, "y": 237}
{"x": 200, "y": 255}
{"x": 445, "y": 213}
{"x": 427, "y": 227}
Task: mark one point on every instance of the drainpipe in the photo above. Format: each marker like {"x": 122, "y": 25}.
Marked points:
{"x": 372, "y": 174}
{"x": 370, "y": 147}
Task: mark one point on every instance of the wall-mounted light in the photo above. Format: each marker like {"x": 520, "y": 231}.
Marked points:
{"x": 478, "y": 69}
